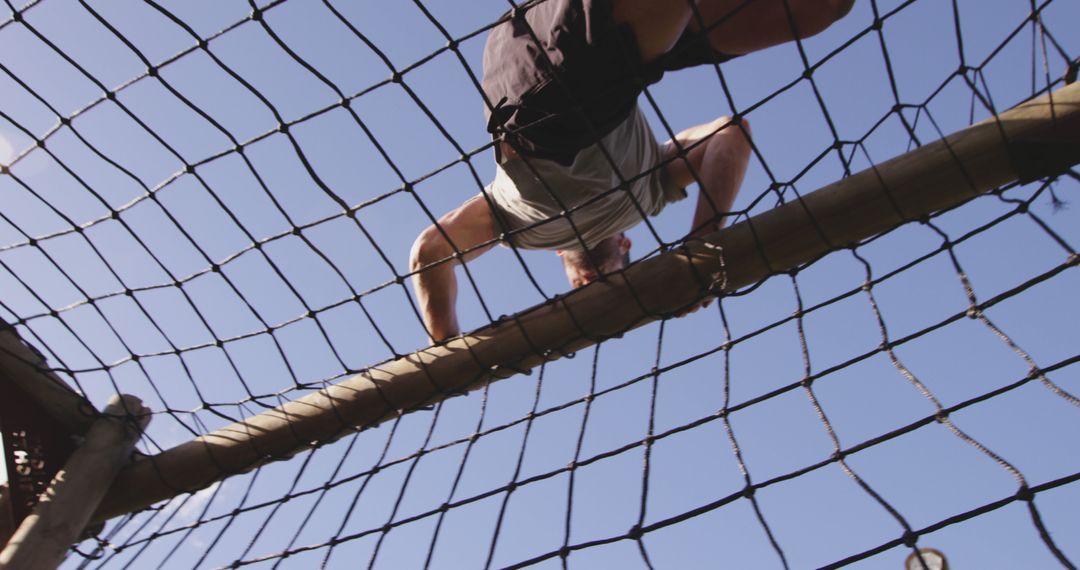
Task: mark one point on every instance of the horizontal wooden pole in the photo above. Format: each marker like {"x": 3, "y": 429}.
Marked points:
{"x": 1038, "y": 138}
{"x": 42, "y": 540}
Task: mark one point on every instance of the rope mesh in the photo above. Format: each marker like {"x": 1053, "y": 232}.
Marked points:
{"x": 211, "y": 208}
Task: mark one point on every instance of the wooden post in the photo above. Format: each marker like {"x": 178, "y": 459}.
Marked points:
{"x": 1035, "y": 139}
{"x": 58, "y": 520}
{"x": 7, "y": 526}
{"x": 26, "y": 369}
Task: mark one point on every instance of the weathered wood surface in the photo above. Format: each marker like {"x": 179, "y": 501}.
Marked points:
{"x": 61, "y": 515}
{"x": 26, "y": 369}
{"x": 7, "y": 526}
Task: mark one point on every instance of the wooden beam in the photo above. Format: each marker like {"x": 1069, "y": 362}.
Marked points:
{"x": 40, "y": 416}
{"x": 58, "y": 520}
{"x": 1037, "y": 138}
{"x": 23, "y": 366}
{"x": 7, "y": 525}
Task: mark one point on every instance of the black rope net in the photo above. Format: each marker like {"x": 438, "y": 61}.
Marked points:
{"x": 211, "y": 206}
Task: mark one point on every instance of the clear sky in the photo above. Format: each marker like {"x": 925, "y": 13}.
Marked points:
{"x": 879, "y": 94}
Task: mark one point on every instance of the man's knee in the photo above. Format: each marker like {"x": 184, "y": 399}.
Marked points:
{"x": 738, "y": 132}
{"x": 814, "y": 16}
{"x": 832, "y": 9}
{"x": 429, "y": 247}
{"x": 656, "y": 25}
{"x": 743, "y": 125}
{"x": 842, "y": 7}
{"x": 729, "y": 142}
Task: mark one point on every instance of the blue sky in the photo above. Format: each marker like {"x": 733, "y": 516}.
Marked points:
{"x": 177, "y": 225}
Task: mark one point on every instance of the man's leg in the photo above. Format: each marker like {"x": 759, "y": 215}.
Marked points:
{"x": 718, "y": 155}
{"x": 735, "y": 27}
{"x": 738, "y": 27}
{"x": 467, "y": 227}
{"x": 656, "y": 25}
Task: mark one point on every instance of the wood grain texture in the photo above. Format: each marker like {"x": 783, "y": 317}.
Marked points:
{"x": 65, "y": 508}
{"x": 26, "y": 369}
{"x": 7, "y": 526}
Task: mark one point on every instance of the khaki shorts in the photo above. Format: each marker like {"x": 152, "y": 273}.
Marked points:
{"x": 546, "y": 205}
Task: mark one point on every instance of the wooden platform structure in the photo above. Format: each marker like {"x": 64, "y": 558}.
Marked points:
{"x": 62, "y": 456}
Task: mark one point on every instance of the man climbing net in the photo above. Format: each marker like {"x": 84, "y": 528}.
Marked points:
{"x": 577, "y": 164}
